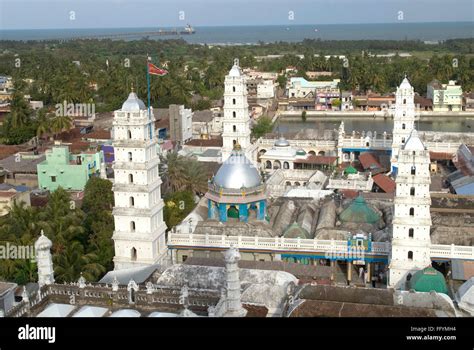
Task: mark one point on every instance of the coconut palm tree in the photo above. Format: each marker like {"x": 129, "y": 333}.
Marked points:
{"x": 61, "y": 123}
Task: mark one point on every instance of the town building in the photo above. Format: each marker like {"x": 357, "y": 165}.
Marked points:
{"x": 9, "y": 195}
{"x": 20, "y": 168}
{"x": 446, "y": 97}
{"x": 299, "y": 87}
{"x": 139, "y": 235}
{"x": 236, "y": 120}
{"x": 70, "y": 171}
{"x": 181, "y": 124}
{"x": 412, "y": 219}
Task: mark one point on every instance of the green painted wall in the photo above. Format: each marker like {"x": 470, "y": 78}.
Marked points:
{"x": 61, "y": 168}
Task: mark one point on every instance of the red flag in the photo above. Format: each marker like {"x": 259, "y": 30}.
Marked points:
{"x": 154, "y": 70}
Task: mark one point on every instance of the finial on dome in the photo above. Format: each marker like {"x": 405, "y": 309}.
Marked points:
{"x": 236, "y": 62}
{"x": 133, "y": 90}
{"x": 237, "y": 147}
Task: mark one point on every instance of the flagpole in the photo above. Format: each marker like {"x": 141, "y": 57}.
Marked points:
{"x": 148, "y": 93}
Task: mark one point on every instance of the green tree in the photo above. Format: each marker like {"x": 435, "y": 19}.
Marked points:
{"x": 263, "y": 126}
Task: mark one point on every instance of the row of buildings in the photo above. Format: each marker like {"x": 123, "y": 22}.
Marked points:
{"x": 326, "y": 95}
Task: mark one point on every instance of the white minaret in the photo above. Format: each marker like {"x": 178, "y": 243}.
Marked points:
{"x": 233, "y": 297}
{"x": 44, "y": 260}
{"x": 404, "y": 118}
{"x": 236, "y": 120}
{"x": 411, "y": 220}
{"x": 139, "y": 234}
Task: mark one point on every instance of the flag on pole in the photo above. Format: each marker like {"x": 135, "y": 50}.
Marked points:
{"x": 154, "y": 70}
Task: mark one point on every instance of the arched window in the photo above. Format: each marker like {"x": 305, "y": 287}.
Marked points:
{"x": 403, "y": 126}
{"x": 132, "y": 226}
{"x": 403, "y": 140}
{"x": 130, "y": 178}
{"x": 234, "y": 128}
{"x": 286, "y": 165}
{"x": 404, "y": 101}
{"x": 233, "y": 101}
{"x": 130, "y": 158}
{"x": 233, "y": 88}
{"x": 413, "y": 170}
{"x": 411, "y": 233}
{"x": 410, "y": 255}
{"x": 129, "y": 134}
{"x": 132, "y": 201}
{"x": 412, "y": 211}
{"x": 133, "y": 254}
{"x": 268, "y": 164}
{"x": 412, "y": 191}
{"x": 234, "y": 114}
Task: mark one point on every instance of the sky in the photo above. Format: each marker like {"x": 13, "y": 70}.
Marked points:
{"x": 45, "y": 14}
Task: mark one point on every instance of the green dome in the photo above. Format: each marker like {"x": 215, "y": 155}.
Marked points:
{"x": 301, "y": 152}
{"x": 427, "y": 280}
{"x": 296, "y": 231}
{"x": 359, "y": 211}
{"x": 350, "y": 170}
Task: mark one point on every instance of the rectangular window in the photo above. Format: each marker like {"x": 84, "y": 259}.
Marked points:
{"x": 53, "y": 178}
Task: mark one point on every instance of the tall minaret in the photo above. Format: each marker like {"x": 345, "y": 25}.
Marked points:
{"x": 403, "y": 120}
{"x": 236, "y": 121}
{"x": 411, "y": 220}
{"x": 139, "y": 234}
{"x": 44, "y": 260}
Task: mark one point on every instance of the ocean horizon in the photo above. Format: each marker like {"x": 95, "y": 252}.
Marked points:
{"x": 240, "y": 34}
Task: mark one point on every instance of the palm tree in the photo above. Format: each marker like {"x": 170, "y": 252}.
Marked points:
{"x": 72, "y": 262}
{"x": 61, "y": 123}
{"x": 44, "y": 122}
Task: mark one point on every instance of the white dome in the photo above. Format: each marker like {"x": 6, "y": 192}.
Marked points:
{"x": 133, "y": 104}
{"x": 235, "y": 71}
{"x": 237, "y": 172}
{"x": 414, "y": 143}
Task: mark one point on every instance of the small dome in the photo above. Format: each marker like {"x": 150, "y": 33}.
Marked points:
{"x": 43, "y": 242}
{"x": 296, "y": 231}
{"x": 133, "y": 104}
{"x": 237, "y": 172}
{"x": 427, "y": 280}
{"x": 235, "y": 71}
{"x": 414, "y": 143}
{"x": 282, "y": 142}
{"x": 301, "y": 152}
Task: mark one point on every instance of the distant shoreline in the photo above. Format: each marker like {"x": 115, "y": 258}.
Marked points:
{"x": 251, "y": 35}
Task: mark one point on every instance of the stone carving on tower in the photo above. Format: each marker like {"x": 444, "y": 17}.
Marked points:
{"x": 236, "y": 120}
{"x": 403, "y": 119}
{"x": 44, "y": 260}
{"x": 139, "y": 235}
{"x": 412, "y": 220}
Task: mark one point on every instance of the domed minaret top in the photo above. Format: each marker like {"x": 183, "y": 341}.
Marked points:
{"x": 235, "y": 71}
{"x": 43, "y": 242}
{"x": 133, "y": 103}
{"x": 414, "y": 143}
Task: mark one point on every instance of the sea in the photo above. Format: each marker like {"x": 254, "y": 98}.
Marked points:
{"x": 249, "y": 35}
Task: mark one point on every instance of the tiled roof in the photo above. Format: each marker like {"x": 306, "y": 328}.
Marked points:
{"x": 369, "y": 161}
{"x": 318, "y": 160}
{"x": 385, "y": 183}
{"x": 99, "y": 134}
{"x": 205, "y": 143}
{"x": 441, "y": 156}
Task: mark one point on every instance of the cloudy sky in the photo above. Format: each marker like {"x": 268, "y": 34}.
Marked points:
{"x": 43, "y": 14}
